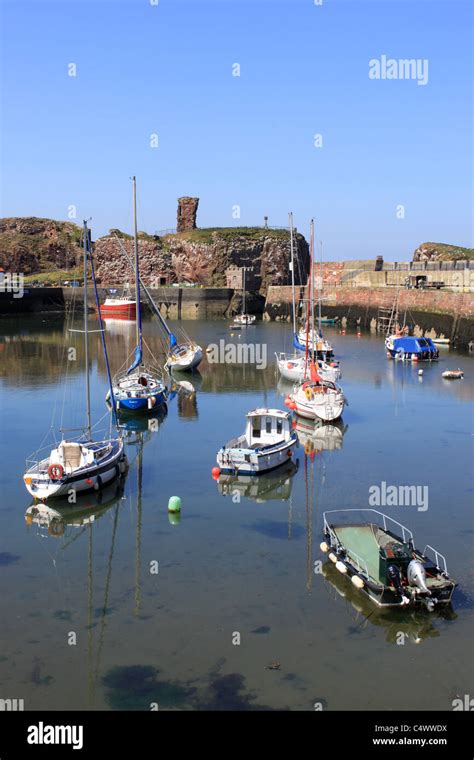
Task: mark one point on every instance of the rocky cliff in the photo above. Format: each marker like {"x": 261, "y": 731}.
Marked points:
{"x": 30, "y": 245}
{"x": 202, "y": 256}
{"x": 442, "y": 252}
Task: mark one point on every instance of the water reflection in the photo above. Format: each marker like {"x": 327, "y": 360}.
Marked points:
{"x": 58, "y": 521}
{"x": 400, "y": 626}
{"x": 275, "y": 485}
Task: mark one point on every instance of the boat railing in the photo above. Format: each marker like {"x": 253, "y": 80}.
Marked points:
{"x": 438, "y": 557}
{"x": 407, "y": 535}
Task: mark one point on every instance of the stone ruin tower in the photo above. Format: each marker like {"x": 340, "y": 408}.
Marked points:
{"x": 187, "y": 212}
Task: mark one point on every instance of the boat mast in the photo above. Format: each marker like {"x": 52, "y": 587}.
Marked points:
{"x": 138, "y": 323}
{"x": 290, "y": 219}
{"x": 86, "y": 243}
{"x": 311, "y": 237}
{"x": 320, "y": 290}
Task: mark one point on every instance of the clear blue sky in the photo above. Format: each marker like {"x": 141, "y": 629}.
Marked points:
{"x": 248, "y": 140}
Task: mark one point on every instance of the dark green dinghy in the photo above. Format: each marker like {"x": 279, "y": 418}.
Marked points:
{"x": 378, "y": 554}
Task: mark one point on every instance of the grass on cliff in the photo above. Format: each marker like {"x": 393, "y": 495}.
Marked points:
{"x": 448, "y": 252}
{"x": 206, "y": 234}
{"x": 55, "y": 277}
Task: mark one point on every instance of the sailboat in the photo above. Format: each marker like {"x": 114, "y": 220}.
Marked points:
{"x": 141, "y": 388}
{"x": 185, "y": 356}
{"x": 79, "y": 464}
{"x": 295, "y": 367}
{"x": 317, "y": 343}
{"x": 315, "y": 397}
{"x": 243, "y": 319}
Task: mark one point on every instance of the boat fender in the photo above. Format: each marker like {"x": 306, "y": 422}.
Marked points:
{"x": 357, "y": 581}
{"x": 341, "y": 567}
{"x": 309, "y": 393}
{"x": 55, "y": 471}
{"x": 290, "y": 452}
{"x": 123, "y": 466}
{"x": 324, "y": 547}
{"x": 332, "y": 557}
{"x": 151, "y": 402}
{"x": 98, "y": 483}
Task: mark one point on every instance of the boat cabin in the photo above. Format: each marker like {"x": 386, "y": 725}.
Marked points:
{"x": 267, "y": 426}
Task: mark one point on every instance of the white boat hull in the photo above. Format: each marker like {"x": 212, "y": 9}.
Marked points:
{"x": 293, "y": 369}
{"x": 327, "y": 406}
{"x": 92, "y": 477}
{"x": 186, "y": 361}
{"x": 245, "y": 461}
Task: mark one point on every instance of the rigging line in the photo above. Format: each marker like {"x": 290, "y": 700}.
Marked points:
{"x": 69, "y": 322}
{"x": 61, "y": 370}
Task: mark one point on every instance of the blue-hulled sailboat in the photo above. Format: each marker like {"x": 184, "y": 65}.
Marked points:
{"x": 141, "y": 388}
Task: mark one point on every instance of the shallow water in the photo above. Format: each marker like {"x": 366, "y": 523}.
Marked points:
{"x": 232, "y": 565}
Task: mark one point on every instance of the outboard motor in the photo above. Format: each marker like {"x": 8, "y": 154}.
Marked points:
{"x": 393, "y": 575}
{"x": 416, "y": 576}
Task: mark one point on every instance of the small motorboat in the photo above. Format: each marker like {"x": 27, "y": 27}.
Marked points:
{"x": 441, "y": 341}
{"x": 119, "y": 307}
{"x": 453, "y": 374}
{"x": 296, "y": 368}
{"x": 378, "y": 555}
{"x": 268, "y": 442}
{"x": 244, "y": 320}
{"x": 329, "y": 320}
{"x": 410, "y": 348}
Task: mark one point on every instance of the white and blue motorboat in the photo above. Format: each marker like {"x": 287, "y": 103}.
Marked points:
{"x": 410, "y": 348}
{"x": 141, "y": 388}
{"x": 268, "y": 442}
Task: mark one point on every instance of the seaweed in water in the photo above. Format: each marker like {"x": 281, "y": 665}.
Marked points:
{"x": 8, "y": 559}
{"x": 136, "y": 687}
{"x": 226, "y": 693}
{"x": 262, "y": 629}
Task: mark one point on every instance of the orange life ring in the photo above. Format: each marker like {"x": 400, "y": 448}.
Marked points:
{"x": 309, "y": 393}
{"x": 55, "y": 471}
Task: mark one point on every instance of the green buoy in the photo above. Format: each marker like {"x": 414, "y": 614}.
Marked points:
{"x": 174, "y": 504}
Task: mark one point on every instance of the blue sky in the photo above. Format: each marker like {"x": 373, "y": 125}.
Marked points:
{"x": 166, "y": 69}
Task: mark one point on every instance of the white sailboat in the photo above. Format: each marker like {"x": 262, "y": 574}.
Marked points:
{"x": 316, "y": 398}
{"x": 141, "y": 388}
{"x": 243, "y": 319}
{"x": 295, "y": 366}
{"x": 82, "y": 464}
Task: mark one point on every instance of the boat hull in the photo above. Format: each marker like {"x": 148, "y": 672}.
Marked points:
{"x": 90, "y": 478}
{"x": 186, "y": 363}
{"x": 252, "y": 462}
{"x": 119, "y": 311}
{"x": 145, "y": 404}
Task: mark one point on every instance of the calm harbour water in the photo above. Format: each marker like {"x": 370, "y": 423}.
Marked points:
{"x": 231, "y": 567}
